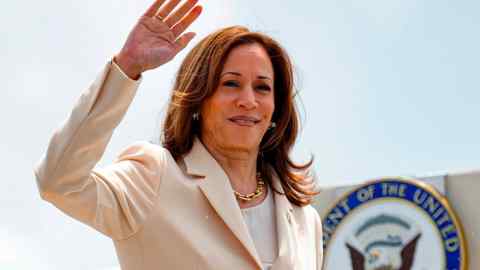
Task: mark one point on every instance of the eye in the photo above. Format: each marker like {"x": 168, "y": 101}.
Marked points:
{"x": 264, "y": 87}
{"x": 230, "y": 84}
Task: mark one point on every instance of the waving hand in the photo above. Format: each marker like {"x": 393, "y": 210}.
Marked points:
{"x": 158, "y": 36}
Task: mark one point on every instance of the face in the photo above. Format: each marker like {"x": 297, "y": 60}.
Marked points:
{"x": 240, "y": 110}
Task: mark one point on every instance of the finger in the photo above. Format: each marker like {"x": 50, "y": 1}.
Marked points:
{"x": 167, "y": 8}
{"x": 178, "y": 14}
{"x": 152, "y": 10}
{"x": 183, "y": 41}
{"x": 187, "y": 21}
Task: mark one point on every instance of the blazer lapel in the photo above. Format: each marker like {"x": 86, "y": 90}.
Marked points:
{"x": 218, "y": 191}
{"x": 286, "y": 236}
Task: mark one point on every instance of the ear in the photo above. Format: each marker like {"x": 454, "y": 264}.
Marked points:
{"x": 358, "y": 260}
{"x": 408, "y": 253}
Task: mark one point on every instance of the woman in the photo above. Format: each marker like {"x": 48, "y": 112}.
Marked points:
{"x": 222, "y": 192}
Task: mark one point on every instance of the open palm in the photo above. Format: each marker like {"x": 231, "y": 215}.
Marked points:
{"x": 157, "y": 37}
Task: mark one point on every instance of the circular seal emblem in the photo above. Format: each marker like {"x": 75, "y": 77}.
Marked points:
{"x": 393, "y": 224}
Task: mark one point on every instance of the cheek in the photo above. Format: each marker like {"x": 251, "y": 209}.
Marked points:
{"x": 269, "y": 108}
{"x": 212, "y": 114}
{"x": 208, "y": 117}
{"x": 267, "y": 111}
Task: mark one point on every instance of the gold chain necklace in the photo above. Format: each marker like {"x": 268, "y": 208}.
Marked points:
{"x": 250, "y": 196}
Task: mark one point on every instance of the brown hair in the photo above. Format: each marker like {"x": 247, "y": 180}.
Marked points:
{"x": 197, "y": 79}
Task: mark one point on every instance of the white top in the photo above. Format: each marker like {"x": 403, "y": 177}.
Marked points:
{"x": 260, "y": 220}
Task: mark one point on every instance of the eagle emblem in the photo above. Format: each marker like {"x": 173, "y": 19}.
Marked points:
{"x": 385, "y": 242}
{"x": 393, "y": 224}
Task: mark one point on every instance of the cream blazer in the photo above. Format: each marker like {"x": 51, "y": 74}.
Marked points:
{"x": 160, "y": 214}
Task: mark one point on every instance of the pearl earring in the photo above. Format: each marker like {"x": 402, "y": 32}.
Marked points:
{"x": 273, "y": 125}
{"x": 195, "y": 116}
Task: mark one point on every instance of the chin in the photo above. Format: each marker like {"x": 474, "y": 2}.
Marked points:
{"x": 243, "y": 143}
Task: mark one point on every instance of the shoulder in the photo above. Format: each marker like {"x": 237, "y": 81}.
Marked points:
{"x": 309, "y": 214}
{"x": 312, "y": 225}
{"x": 309, "y": 219}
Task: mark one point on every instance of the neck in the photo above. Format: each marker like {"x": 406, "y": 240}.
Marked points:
{"x": 240, "y": 165}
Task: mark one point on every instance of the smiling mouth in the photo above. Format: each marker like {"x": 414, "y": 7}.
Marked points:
{"x": 244, "y": 120}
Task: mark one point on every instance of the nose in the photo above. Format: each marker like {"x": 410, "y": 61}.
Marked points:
{"x": 246, "y": 98}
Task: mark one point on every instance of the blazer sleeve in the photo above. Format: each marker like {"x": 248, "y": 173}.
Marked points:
{"x": 114, "y": 200}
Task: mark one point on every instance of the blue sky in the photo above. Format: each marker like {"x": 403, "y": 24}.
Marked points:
{"x": 388, "y": 88}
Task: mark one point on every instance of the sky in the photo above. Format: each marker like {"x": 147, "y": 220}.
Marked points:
{"x": 387, "y": 88}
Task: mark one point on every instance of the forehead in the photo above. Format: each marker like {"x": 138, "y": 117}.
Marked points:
{"x": 249, "y": 58}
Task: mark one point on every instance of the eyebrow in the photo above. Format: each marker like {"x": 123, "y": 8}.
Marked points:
{"x": 238, "y": 74}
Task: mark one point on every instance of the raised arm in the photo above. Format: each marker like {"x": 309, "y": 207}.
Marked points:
{"x": 114, "y": 200}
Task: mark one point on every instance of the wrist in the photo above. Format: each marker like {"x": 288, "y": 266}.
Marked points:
{"x": 127, "y": 66}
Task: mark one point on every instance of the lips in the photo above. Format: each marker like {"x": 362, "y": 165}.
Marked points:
{"x": 244, "y": 120}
